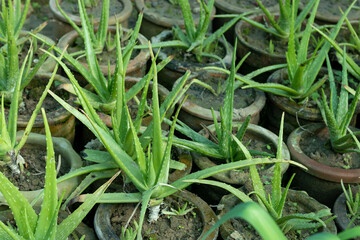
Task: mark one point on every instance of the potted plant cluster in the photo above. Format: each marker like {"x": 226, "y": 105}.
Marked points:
{"x": 134, "y": 177}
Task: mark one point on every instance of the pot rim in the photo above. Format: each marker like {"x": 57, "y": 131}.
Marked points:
{"x": 119, "y": 17}
{"x": 315, "y": 168}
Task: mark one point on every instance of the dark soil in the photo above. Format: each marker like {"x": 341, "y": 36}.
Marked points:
{"x": 319, "y": 149}
{"x": 252, "y": 4}
{"x": 37, "y": 54}
{"x": 33, "y": 177}
{"x": 71, "y": 6}
{"x": 182, "y": 55}
{"x": 31, "y": 96}
{"x": 166, "y": 9}
{"x": 206, "y": 99}
{"x": 187, "y": 227}
{"x": 104, "y": 57}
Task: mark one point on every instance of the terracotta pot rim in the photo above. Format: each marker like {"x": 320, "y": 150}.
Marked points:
{"x": 242, "y": 24}
{"x": 202, "y": 161}
{"x": 315, "y": 168}
{"x": 139, "y": 61}
{"x": 330, "y": 18}
{"x": 119, "y": 17}
{"x": 54, "y": 117}
{"x": 204, "y": 113}
{"x": 233, "y": 8}
{"x": 160, "y": 20}
{"x": 182, "y": 66}
{"x": 206, "y": 213}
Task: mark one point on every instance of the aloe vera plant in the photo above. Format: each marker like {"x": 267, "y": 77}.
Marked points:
{"x": 302, "y": 71}
{"x": 337, "y": 114}
{"x": 275, "y": 201}
{"x": 223, "y": 147}
{"x": 31, "y": 225}
{"x": 12, "y": 20}
{"x": 146, "y": 159}
{"x": 9, "y": 147}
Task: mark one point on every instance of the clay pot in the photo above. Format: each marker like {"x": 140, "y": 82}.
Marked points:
{"x": 61, "y": 122}
{"x": 68, "y": 157}
{"x": 328, "y": 11}
{"x": 299, "y": 197}
{"x": 233, "y": 7}
{"x": 233, "y": 177}
{"x": 136, "y": 66}
{"x": 155, "y": 21}
{"x": 105, "y": 231}
{"x": 320, "y": 181}
{"x": 121, "y": 16}
{"x": 193, "y": 115}
{"x": 340, "y": 211}
{"x": 176, "y": 68}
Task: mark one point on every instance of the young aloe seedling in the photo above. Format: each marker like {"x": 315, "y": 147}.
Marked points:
{"x": 275, "y": 201}
{"x": 337, "y": 114}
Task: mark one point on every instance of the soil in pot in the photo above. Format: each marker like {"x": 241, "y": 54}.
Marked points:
{"x": 70, "y": 6}
{"x": 54, "y": 28}
{"x": 160, "y": 15}
{"x": 33, "y": 177}
{"x": 201, "y": 211}
{"x": 322, "y": 179}
{"x": 188, "y": 226}
{"x": 196, "y": 110}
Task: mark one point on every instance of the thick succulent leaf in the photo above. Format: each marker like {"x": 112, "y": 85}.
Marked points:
{"x": 257, "y": 217}
{"x": 50, "y": 202}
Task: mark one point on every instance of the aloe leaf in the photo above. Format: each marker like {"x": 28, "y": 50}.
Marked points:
{"x": 19, "y": 205}
{"x": 68, "y": 225}
{"x": 256, "y": 216}
{"x": 104, "y": 22}
{"x": 350, "y": 233}
{"x": 263, "y": 27}
{"x": 119, "y": 156}
{"x": 333, "y": 96}
{"x": 50, "y": 202}
{"x": 8, "y": 233}
{"x": 326, "y": 236}
{"x": 343, "y": 98}
{"x": 188, "y": 19}
{"x": 36, "y": 111}
{"x": 239, "y": 194}
{"x": 178, "y": 33}
{"x": 69, "y": 20}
